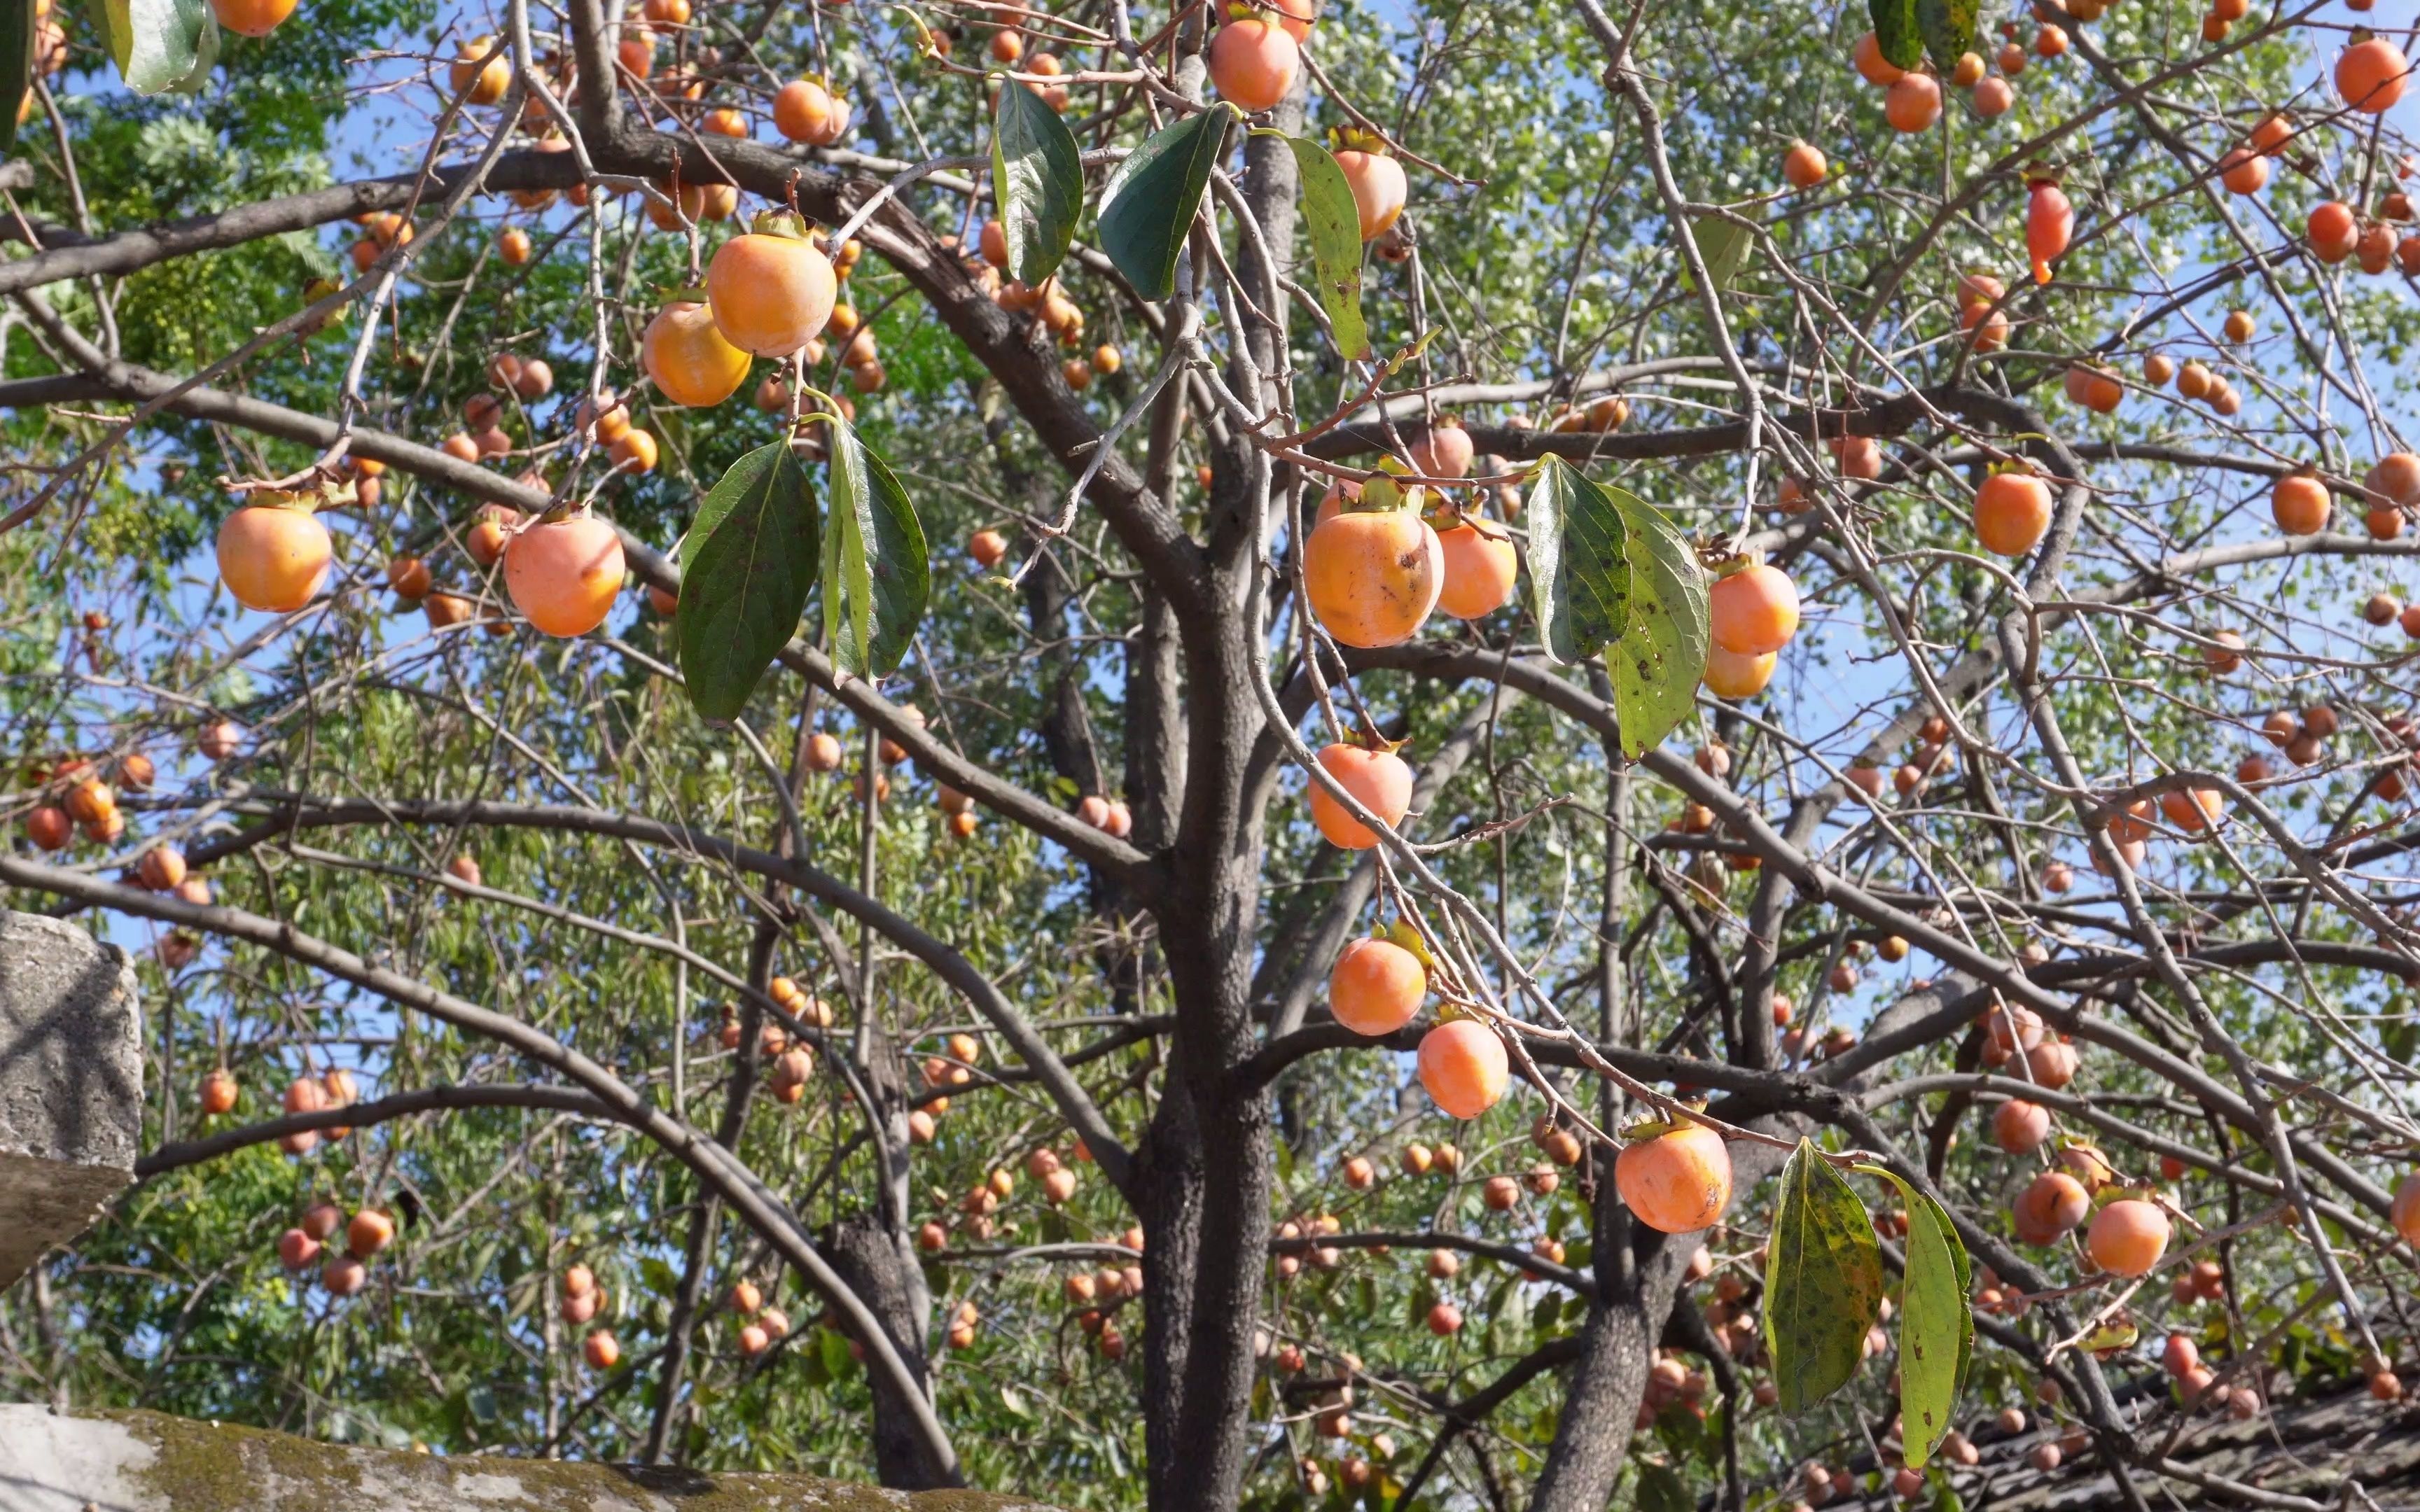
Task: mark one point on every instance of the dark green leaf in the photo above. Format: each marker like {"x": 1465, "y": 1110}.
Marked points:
{"x": 746, "y": 569}
{"x": 1936, "y": 1332}
{"x": 1823, "y": 1281}
{"x": 1661, "y": 1489}
{"x": 158, "y": 44}
{"x": 1661, "y": 655}
{"x": 1896, "y": 31}
{"x": 875, "y": 572}
{"x": 1037, "y": 182}
{"x": 1948, "y": 29}
{"x": 1333, "y": 220}
{"x": 1580, "y": 573}
{"x": 1726, "y": 245}
{"x": 17, "y": 28}
{"x": 1151, "y": 200}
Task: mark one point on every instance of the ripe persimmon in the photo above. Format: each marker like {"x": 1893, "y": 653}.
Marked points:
{"x": 2011, "y": 513}
{"x": 1676, "y": 1183}
{"x": 252, "y": 18}
{"x": 1992, "y": 98}
{"x": 1379, "y": 188}
{"x": 295, "y": 1249}
{"x": 805, "y": 111}
{"x": 685, "y": 353}
{"x": 2405, "y": 1210}
{"x": 2300, "y": 505}
{"x": 1480, "y": 565}
{"x": 988, "y": 547}
{"x": 2093, "y": 388}
{"x": 1373, "y": 576}
{"x": 1376, "y": 987}
{"x": 634, "y": 453}
{"x": 1913, "y": 102}
{"x": 344, "y": 1276}
{"x": 273, "y": 553}
{"x": 2054, "y": 1063}
{"x": 771, "y": 290}
{"x": 2393, "y": 478}
{"x": 2020, "y": 1127}
{"x": 1464, "y": 1067}
{"x": 2052, "y": 1203}
{"x": 1731, "y": 675}
{"x": 2050, "y": 222}
{"x": 2244, "y": 171}
{"x": 2372, "y": 75}
{"x": 1445, "y": 451}
{"x": 1253, "y": 61}
{"x": 601, "y": 1350}
{"x": 563, "y": 574}
{"x": 161, "y": 868}
{"x": 369, "y": 1232}
{"x": 1381, "y": 782}
{"x": 2332, "y": 230}
{"x": 219, "y": 1092}
{"x": 1873, "y": 66}
{"x": 1754, "y": 610}
{"x": 2128, "y": 1237}
{"x": 1803, "y": 166}
{"x": 480, "y": 84}
{"x": 2193, "y": 810}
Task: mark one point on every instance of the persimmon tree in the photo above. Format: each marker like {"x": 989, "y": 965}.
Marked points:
{"x": 1174, "y": 756}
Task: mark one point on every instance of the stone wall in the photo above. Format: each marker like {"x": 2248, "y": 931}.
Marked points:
{"x": 70, "y": 1084}
{"x": 146, "y": 1462}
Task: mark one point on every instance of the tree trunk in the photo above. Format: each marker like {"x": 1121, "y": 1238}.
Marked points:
{"x": 883, "y": 1271}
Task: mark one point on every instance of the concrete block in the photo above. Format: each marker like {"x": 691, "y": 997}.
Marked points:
{"x": 70, "y": 1084}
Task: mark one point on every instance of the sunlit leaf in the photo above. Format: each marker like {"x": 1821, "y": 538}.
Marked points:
{"x": 1726, "y": 245}
{"x": 1609, "y": 572}
{"x": 1037, "y": 182}
{"x": 1660, "y": 657}
{"x": 158, "y": 44}
{"x": 747, "y": 564}
{"x": 1823, "y": 1281}
{"x": 1151, "y": 200}
{"x": 876, "y": 573}
{"x": 1936, "y": 1330}
{"x": 1579, "y": 572}
{"x": 1333, "y": 221}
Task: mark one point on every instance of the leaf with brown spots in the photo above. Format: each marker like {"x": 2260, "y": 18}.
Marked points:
{"x": 1823, "y": 1281}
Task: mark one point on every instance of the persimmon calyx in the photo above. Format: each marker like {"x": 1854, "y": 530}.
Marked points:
{"x": 1403, "y": 934}
{"x": 779, "y": 223}
{"x": 1357, "y": 139}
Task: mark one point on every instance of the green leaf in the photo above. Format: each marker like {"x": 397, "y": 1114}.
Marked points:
{"x": 1151, "y": 200}
{"x": 747, "y": 564}
{"x": 1896, "y": 32}
{"x": 1726, "y": 245}
{"x": 158, "y": 44}
{"x": 876, "y": 571}
{"x": 1580, "y": 573}
{"x": 1334, "y": 224}
{"x": 1609, "y": 572}
{"x": 1936, "y": 1331}
{"x": 1037, "y": 182}
{"x": 17, "y": 39}
{"x": 1661, "y": 1489}
{"x": 1661, "y": 655}
{"x": 1948, "y": 29}
{"x": 1823, "y": 1281}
